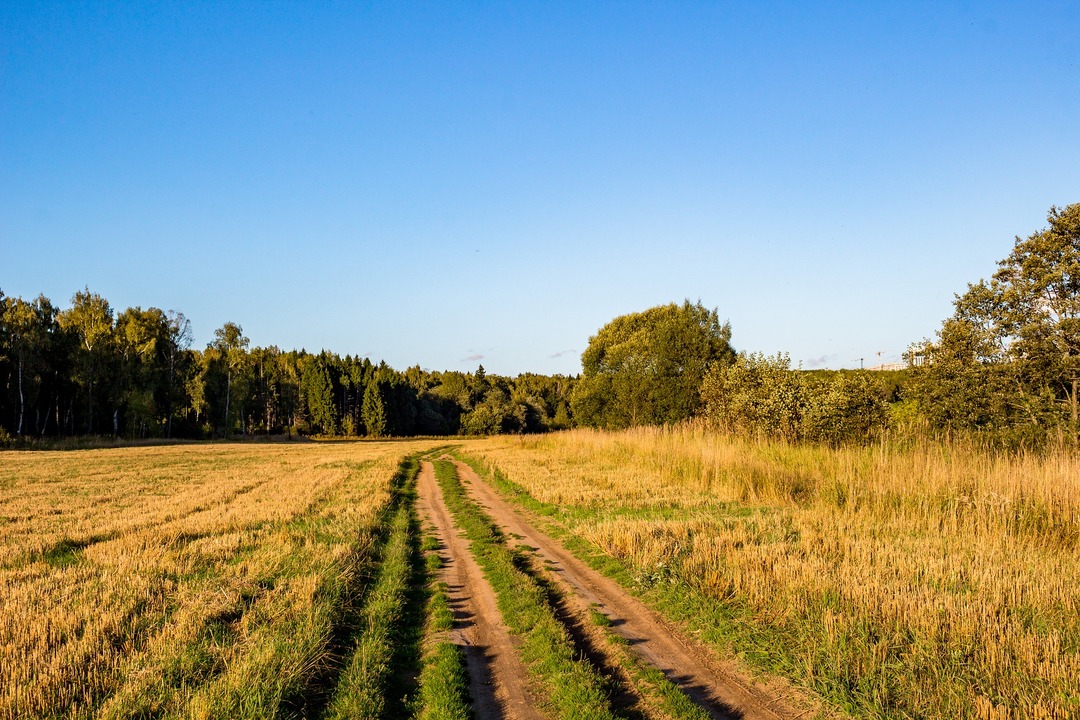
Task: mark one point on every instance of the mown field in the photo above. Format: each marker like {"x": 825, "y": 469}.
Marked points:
{"x": 938, "y": 581}
{"x": 202, "y": 580}
{"x": 250, "y": 581}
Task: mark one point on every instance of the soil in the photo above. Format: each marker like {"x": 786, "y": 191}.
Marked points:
{"x": 498, "y": 681}
{"x": 719, "y": 687}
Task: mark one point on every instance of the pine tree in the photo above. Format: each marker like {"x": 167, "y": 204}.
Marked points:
{"x": 374, "y": 410}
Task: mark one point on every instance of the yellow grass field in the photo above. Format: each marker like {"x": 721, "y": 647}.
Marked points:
{"x": 209, "y": 580}
{"x": 184, "y": 580}
{"x": 936, "y": 581}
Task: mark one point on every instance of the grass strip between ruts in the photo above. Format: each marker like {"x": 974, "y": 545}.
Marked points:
{"x": 722, "y": 627}
{"x": 573, "y": 687}
{"x": 649, "y": 681}
{"x": 444, "y": 682}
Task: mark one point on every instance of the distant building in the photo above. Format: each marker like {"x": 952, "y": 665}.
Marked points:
{"x": 889, "y": 366}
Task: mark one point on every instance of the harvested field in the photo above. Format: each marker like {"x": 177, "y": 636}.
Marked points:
{"x": 938, "y": 581}
{"x": 189, "y": 580}
{"x": 651, "y": 574}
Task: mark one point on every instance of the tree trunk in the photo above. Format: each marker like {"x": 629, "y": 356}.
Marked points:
{"x": 169, "y": 394}
{"x": 1072, "y": 402}
{"x": 22, "y": 402}
{"x": 228, "y": 393}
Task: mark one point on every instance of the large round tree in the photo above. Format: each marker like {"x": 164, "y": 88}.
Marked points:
{"x": 646, "y": 368}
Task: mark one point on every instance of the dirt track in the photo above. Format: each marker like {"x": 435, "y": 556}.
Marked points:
{"x": 717, "y": 688}
{"x": 498, "y": 681}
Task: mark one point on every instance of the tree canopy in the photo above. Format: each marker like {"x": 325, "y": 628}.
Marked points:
{"x": 88, "y": 369}
{"x": 1010, "y": 354}
{"x": 647, "y": 367}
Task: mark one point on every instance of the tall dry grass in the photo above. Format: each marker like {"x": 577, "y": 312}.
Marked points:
{"x": 195, "y": 581}
{"x": 936, "y": 580}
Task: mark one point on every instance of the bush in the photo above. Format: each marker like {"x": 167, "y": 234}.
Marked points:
{"x": 761, "y": 395}
{"x": 850, "y": 408}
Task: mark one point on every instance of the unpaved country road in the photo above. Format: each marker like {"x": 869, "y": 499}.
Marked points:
{"x": 497, "y": 679}
{"x": 719, "y": 689}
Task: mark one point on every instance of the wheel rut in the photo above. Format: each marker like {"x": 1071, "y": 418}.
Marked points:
{"x": 719, "y": 689}
{"x": 498, "y": 681}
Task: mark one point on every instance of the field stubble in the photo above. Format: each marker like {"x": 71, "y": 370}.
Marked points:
{"x": 934, "y": 581}
{"x": 195, "y": 581}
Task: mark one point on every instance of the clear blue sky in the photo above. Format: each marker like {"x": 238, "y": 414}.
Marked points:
{"x": 453, "y": 183}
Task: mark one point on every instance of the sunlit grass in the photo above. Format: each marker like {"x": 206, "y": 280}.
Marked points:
{"x": 571, "y": 685}
{"x": 934, "y": 581}
{"x": 192, "y": 580}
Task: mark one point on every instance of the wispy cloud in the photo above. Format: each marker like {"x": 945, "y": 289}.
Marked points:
{"x": 561, "y": 353}
{"x": 818, "y": 362}
{"x": 473, "y": 358}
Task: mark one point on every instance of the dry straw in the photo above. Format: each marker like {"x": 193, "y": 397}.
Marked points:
{"x": 187, "y": 580}
{"x": 937, "y": 580}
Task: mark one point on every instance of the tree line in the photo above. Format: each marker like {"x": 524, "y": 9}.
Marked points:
{"x": 88, "y": 370}
{"x": 1004, "y": 368}
{"x": 675, "y": 362}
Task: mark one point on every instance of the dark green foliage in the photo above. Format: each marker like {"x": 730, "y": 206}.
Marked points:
{"x": 850, "y": 408}
{"x": 317, "y": 392}
{"x": 374, "y": 411}
{"x": 230, "y": 342}
{"x": 646, "y": 368}
{"x": 1008, "y": 361}
{"x": 961, "y": 389}
{"x": 87, "y": 369}
{"x": 90, "y": 322}
{"x": 27, "y": 332}
{"x": 761, "y": 395}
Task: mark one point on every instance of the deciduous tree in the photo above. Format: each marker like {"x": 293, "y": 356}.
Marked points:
{"x": 90, "y": 318}
{"x": 229, "y": 340}
{"x": 647, "y": 367}
{"x": 1012, "y": 346}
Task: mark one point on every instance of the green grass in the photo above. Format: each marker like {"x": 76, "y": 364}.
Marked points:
{"x": 653, "y": 686}
{"x": 572, "y": 686}
{"x": 292, "y": 665}
{"x": 362, "y": 687}
{"x": 728, "y": 625}
{"x": 650, "y": 682}
{"x": 444, "y": 684}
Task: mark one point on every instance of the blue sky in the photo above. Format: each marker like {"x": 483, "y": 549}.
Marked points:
{"x": 446, "y": 183}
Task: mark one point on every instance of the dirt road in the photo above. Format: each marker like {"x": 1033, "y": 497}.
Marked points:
{"x": 498, "y": 682}
{"x": 718, "y": 688}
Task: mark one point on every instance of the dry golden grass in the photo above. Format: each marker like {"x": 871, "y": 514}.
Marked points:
{"x": 934, "y": 581}
{"x": 191, "y": 580}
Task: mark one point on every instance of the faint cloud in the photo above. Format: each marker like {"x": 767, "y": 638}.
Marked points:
{"x": 560, "y": 353}
{"x": 819, "y": 362}
{"x": 473, "y": 358}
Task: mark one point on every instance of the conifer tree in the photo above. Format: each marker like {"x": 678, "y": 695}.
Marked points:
{"x": 374, "y": 410}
